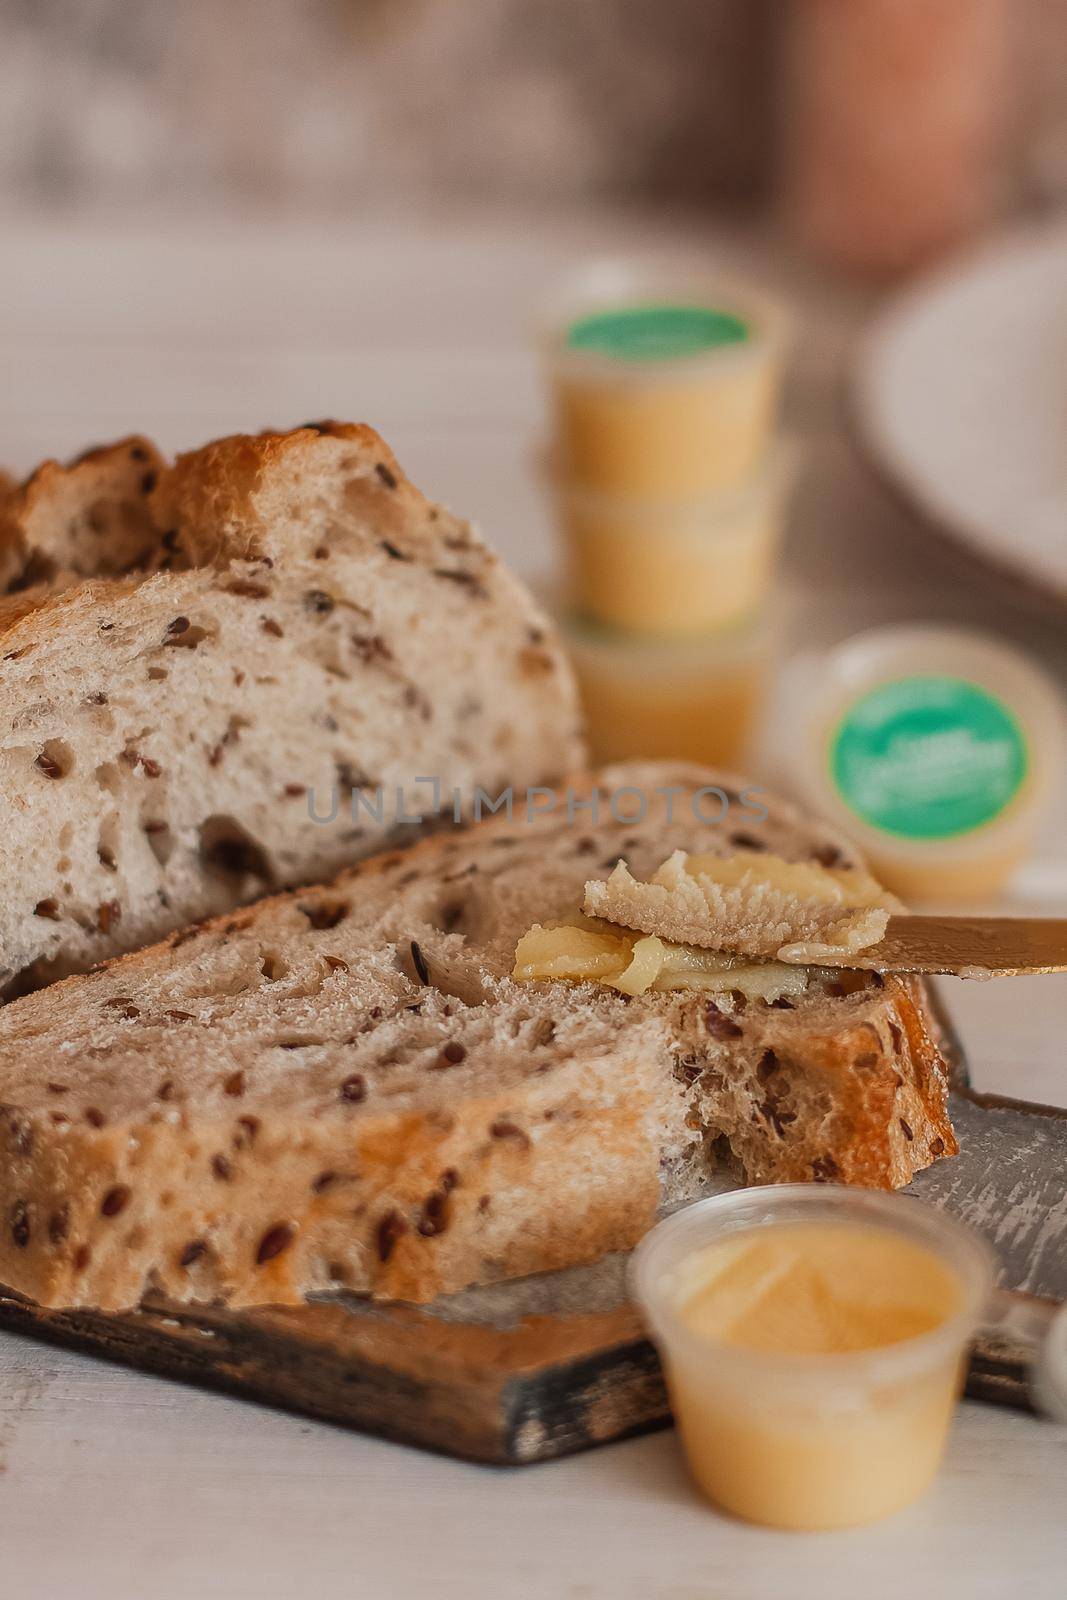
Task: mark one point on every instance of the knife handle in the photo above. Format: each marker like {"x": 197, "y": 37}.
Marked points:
{"x": 1041, "y": 1328}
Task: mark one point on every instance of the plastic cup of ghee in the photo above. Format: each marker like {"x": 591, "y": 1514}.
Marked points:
{"x": 663, "y": 385}
{"x": 645, "y": 697}
{"x": 673, "y": 567}
{"x": 813, "y": 1339}
{"x": 938, "y": 750}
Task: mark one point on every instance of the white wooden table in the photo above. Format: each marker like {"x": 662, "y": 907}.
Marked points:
{"x": 122, "y": 1487}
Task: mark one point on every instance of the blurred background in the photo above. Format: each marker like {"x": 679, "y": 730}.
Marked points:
{"x": 328, "y": 104}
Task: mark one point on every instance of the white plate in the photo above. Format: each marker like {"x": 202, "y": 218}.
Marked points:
{"x": 960, "y": 396}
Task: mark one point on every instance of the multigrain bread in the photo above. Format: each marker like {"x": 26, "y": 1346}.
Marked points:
{"x": 327, "y": 657}
{"x": 751, "y": 903}
{"x": 345, "y": 1087}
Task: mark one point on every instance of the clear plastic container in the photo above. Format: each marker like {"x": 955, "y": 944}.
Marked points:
{"x": 938, "y": 750}
{"x": 811, "y": 1440}
{"x": 673, "y": 567}
{"x": 698, "y": 699}
{"x": 664, "y": 385}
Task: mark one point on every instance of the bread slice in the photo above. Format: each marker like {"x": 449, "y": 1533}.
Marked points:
{"x": 748, "y": 902}
{"x": 345, "y": 1087}
{"x": 91, "y": 517}
{"x": 330, "y": 659}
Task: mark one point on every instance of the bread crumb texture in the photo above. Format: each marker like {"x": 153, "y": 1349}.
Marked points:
{"x": 345, "y": 1086}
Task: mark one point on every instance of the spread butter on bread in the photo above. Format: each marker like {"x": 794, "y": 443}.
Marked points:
{"x": 345, "y": 1086}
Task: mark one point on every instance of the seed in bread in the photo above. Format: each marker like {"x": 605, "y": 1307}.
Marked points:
{"x": 345, "y": 1087}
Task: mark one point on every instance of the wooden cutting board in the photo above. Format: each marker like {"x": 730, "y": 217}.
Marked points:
{"x": 540, "y": 1368}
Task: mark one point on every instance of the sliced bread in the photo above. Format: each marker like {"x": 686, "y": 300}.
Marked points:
{"x": 330, "y": 659}
{"x": 345, "y": 1086}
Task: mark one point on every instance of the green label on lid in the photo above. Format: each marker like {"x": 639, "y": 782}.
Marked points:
{"x": 928, "y": 758}
{"x": 656, "y": 333}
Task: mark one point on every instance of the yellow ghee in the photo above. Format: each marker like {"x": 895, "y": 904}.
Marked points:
{"x": 812, "y": 1446}
{"x": 662, "y": 389}
{"x": 693, "y": 700}
{"x": 673, "y": 567}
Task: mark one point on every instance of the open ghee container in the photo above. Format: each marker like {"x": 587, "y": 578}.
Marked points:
{"x": 698, "y": 698}
{"x": 679, "y": 566}
{"x": 663, "y": 386}
{"x": 937, "y": 749}
{"x": 813, "y": 1339}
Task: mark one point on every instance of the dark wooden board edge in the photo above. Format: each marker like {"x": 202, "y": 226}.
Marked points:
{"x": 486, "y": 1396}
{"x": 252, "y": 1362}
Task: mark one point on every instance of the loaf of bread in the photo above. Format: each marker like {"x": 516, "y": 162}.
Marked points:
{"x": 344, "y": 1086}
{"x": 292, "y": 657}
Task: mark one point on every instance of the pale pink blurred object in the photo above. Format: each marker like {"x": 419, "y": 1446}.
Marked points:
{"x": 897, "y": 114}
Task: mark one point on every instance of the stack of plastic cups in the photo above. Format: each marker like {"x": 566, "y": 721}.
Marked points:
{"x": 670, "y": 488}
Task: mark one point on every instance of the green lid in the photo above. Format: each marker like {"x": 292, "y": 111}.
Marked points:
{"x": 657, "y": 332}
{"x": 928, "y": 757}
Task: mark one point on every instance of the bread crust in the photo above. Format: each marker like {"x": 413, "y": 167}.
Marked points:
{"x": 88, "y": 517}
{"x": 218, "y": 498}
{"x": 343, "y": 1086}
